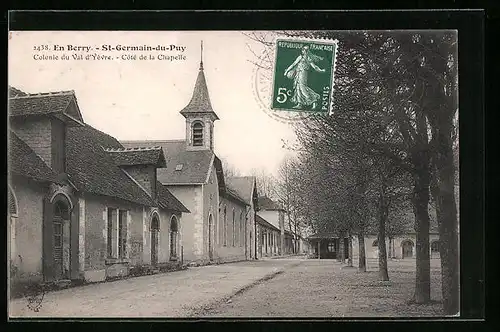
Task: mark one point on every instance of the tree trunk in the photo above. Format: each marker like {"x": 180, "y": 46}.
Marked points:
{"x": 446, "y": 213}
{"x": 296, "y": 237}
{"x": 389, "y": 254}
{"x": 362, "y": 253}
{"x": 382, "y": 252}
{"x": 349, "y": 259}
{"x": 423, "y": 264}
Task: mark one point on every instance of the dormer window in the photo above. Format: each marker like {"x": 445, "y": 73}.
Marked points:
{"x": 198, "y": 134}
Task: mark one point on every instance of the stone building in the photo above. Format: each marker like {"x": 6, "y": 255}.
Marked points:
{"x": 218, "y": 227}
{"x": 268, "y": 243}
{"x": 81, "y": 206}
{"x": 399, "y": 245}
{"x": 273, "y": 213}
{"x": 246, "y": 188}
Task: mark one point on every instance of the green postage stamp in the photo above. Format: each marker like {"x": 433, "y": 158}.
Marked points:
{"x": 304, "y": 75}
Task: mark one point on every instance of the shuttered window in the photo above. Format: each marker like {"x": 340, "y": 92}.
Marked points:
{"x": 110, "y": 232}
{"x": 122, "y": 234}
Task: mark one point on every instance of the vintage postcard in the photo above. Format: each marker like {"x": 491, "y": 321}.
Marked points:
{"x": 174, "y": 174}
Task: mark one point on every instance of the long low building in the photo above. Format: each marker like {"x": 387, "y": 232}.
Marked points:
{"x": 81, "y": 206}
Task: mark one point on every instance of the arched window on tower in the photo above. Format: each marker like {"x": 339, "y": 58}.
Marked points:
{"x": 198, "y": 134}
{"x": 211, "y": 136}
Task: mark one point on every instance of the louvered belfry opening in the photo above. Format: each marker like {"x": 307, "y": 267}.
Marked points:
{"x": 197, "y": 134}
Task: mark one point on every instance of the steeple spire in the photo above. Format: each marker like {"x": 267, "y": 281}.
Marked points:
{"x": 201, "y": 56}
{"x": 200, "y": 101}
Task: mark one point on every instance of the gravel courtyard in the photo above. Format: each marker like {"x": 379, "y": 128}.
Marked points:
{"x": 174, "y": 294}
{"x": 326, "y": 288}
{"x": 288, "y": 287}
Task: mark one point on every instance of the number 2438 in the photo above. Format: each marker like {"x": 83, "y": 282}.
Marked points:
{"x": 41, "y": 48}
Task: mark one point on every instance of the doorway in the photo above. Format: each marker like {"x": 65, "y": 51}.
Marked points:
{"x": 61, "y": 241}
{"x": 155, "y": 227}
{"x": 210, "y": 238}
{"x": 407, "y": 248}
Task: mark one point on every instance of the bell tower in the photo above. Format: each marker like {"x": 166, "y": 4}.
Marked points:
{"x": 199, "y": 115}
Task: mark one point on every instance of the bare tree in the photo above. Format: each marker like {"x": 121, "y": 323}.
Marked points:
{"x": 396, "y": 101}
{"x": 266, "y": 183}
{"x": 229, "y": 169}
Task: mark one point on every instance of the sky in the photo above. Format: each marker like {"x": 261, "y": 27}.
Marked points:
{"x": 141, "y": 99}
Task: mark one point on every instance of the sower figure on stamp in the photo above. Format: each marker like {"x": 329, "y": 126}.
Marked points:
{"x": 303, "y": 95}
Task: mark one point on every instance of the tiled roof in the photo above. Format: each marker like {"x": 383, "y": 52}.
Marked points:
{"x": 92, "y": 169}
{"x": 167, "y": 200}
{"x": 265, "y": 203}
{"x": 39, "y": 104}
{"x": 265, "y": 223}
{"x": 49, "y": 103}
{"x": 200, "y": 101}
{"x": 195, "y": 164}
{"x": 243, "y": 186}
{"x": 231, "y": 194}
{"x": 13, "y": 92}
{"x": 25, "y": 162}
{"x": 137, "y": 156}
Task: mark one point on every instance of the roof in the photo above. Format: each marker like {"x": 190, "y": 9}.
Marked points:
{"x": 266, "y": 223}
{"x": 231, "y": 194}
{"x": 137, "y": 156}
{"x": 195, "y": 164}
{"x": 200, "y": 101}
{"x": 167, "y": 200}
{"x": 92, "y": 169}
{"x": 244, "y": 186}
{"x": 323, "y": 235}
{"x": 50, "y": 103}
{"x": 13, "y": 92}
{"x": 25, "y": 162}
{"x": 265, "y": 203}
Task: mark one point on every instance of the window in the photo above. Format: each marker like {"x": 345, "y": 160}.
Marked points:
{"x": 117, "y": 233}
{"x": 234, "y": 229}
{"x": 375, "y": 243}
{"x": 242, "y": 230}
{"x": 224, "y": 227}
{"x": 331, "y": 246}
{"x": 435, "y": 246}
{"x": 198, "y": 134}
{"x": 12, "y": 203}
{"x": 211, "y": 136}
{"x": 173, "y": 237}
{"x": 110, "y": 232}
